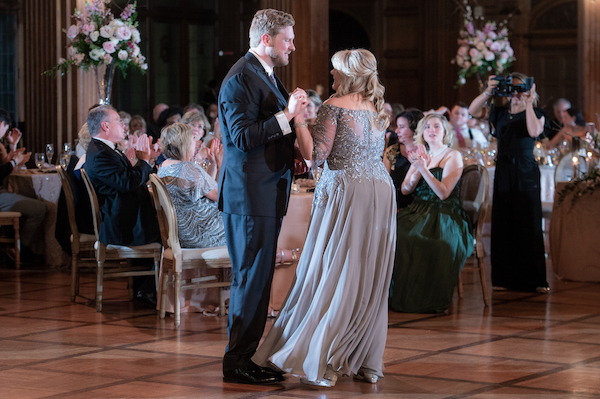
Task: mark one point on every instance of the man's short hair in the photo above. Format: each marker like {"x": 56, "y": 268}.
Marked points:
{"x": 96, "y": 116}
{"x": 268, "y": 21}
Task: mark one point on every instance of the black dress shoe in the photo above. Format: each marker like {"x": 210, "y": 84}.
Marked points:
{"x": 251, "y": 374}
{"x": 273, "y": 370}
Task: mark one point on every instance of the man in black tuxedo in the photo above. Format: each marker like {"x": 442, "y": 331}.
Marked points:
{"x": 255, "y": 112}
{"x": 128, "y": 216}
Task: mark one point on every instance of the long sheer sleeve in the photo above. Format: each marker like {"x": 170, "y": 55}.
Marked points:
{"x": 324, "y": 133}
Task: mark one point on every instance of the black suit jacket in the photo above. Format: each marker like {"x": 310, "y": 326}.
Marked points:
{"x": 258, "y": 159}
{"x": 128, "y": 216}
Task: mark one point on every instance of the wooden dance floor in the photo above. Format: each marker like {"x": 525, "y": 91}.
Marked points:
{"x": 524, "y": 346}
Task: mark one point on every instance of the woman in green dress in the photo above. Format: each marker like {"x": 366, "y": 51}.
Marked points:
{"x": 434, "y": 238}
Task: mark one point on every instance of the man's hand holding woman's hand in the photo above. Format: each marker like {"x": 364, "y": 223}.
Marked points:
{"x": 297, "y": 102}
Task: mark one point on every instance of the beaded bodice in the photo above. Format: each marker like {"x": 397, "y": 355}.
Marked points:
{"x": 351, "y": 144}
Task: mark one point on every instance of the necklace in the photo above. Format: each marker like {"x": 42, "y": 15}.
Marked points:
{"x": 438, "y": 152}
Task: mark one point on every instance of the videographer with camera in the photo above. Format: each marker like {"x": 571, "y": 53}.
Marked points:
{"x": 518, "y": 261}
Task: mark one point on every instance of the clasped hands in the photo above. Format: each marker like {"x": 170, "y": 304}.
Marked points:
{"x": 419, "y": 158}
{"x": 144, "y": 148}
{"x": 18, "y": 154}
{"x": 297, "y": 102}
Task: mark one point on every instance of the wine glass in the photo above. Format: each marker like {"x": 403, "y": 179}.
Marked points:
{"x": 40, "y": 158}
{"x": 67, "y": 147}
{"x": 64, "y": 159}
{"x": 316, "y": 171}
{"x": 49, "y": 152}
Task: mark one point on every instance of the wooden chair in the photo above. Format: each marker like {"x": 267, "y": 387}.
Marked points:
{"x": 80, "y": 243}
{"x": 107, "y": 252}
{"x": 12, "y": 219}
{"x": 474, "y": 193}
{"x": 177, "y": 259}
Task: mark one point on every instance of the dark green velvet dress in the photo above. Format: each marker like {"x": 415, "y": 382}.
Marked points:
{"x": 434, "y": 240}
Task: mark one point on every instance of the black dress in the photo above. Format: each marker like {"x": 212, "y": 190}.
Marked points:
{"x": 400, "y": 165}
{"x": 518, "y": 261}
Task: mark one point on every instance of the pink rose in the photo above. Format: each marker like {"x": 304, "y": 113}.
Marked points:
{"x": 72, "y": 32}
{"x": 489, "y": 56}
{"x": 86, "y": 29}
{"x": 492, "y": 35}
{"x": 109, "y": 47}
{"x": 463, "y": 50}
{"x": 123, "y": 33}
{"x": 135, "y": 51}
{"x": 496, "y": 46}
{"x": 473, "y": 53}
{"x": 106, "y": 32}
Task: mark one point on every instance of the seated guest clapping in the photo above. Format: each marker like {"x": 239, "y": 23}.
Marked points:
{"x": 128, "y": 216}
{"x": 193, "y": 191}
{"x": 434, "y": 238}
{"x": 199, "y": 221}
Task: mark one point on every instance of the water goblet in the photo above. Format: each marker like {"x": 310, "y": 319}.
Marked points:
{"x": 49, "y": 152}
{"x": 40, "y": 158}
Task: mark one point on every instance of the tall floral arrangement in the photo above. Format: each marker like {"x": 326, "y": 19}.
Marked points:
{"x": 483, "y": 46}
{"x": 97, "y": 37}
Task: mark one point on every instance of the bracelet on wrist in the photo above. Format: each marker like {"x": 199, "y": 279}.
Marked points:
{"x": 14, "y": 163}
{"x": 487, "y": 94}
{"x": 300, "y": 124}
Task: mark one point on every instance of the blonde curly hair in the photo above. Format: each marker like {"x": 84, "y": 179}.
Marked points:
{"x": 448, "y": 131}
{"x": 358, "y": 72}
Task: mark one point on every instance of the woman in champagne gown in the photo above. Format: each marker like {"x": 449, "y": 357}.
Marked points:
{"x": 334, "y": 321}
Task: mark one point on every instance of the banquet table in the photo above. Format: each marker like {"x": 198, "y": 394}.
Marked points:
{"x": 574, "y": 233}
{"x": 46, "y": 187}
{"x": 292, "y": 235}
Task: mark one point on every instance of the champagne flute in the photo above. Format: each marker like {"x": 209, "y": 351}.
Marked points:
{"x": 39, "y": 159}
{"x": 67, "y": 147}
{"x": 49, "y": 152}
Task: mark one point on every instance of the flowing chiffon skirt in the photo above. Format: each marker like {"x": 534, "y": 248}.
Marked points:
{"x": 337, "y": 310}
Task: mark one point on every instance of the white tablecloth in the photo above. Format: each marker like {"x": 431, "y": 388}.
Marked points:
{"x": 293, "y": 233}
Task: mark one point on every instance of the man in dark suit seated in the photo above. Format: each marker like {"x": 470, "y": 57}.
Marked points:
{"x": 255, "y": 112}
{"x": 126, "y": 209}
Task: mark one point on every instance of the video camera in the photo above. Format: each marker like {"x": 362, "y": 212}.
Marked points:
{"x": 506, "y": 88}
